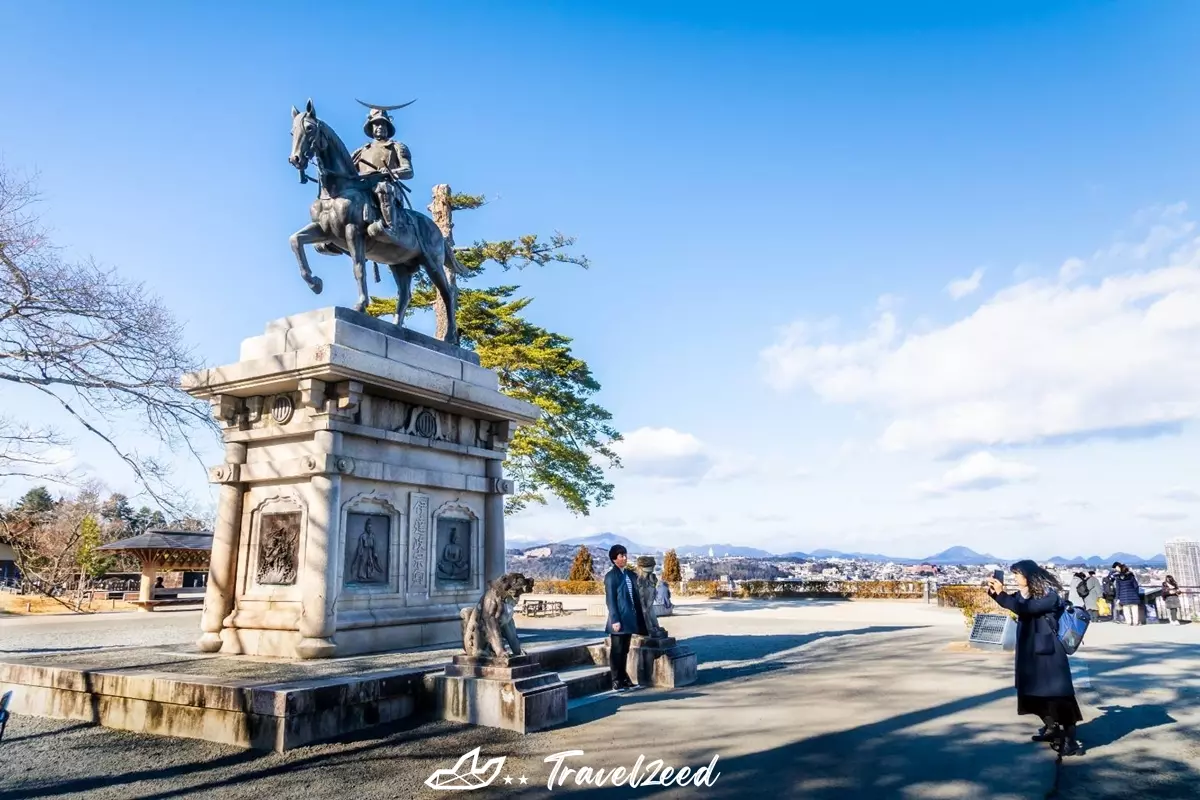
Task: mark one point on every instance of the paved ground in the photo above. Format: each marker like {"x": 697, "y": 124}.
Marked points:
{"x": 49, "y": 633}
{"x": 809, "y": 700}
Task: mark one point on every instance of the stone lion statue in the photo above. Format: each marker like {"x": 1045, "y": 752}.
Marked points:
{"x": 489, "y": 623}
{"x": 647, "y": 582}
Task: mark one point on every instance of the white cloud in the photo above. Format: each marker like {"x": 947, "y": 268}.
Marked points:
{"x": 979, "y": 472}
{"x": 681, "y": 458}
{"x": 1071, "y": 269}
{"x": 1182, "y": 495}
{"x": 1165, "y": 225}
{"x": 962, "y": 287}
{"x": 1162, "y": 516}
{"x": 665, "y": 454}
{"x": 1039, "y": 360}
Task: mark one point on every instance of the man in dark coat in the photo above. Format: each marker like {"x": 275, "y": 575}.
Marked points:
{"x": 625, "y": 616}
{"x": 1128, "y": 593}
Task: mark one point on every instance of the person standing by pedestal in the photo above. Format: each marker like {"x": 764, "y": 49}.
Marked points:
{"x": 1043, "y": 674}
{"x": 625, "y": 616}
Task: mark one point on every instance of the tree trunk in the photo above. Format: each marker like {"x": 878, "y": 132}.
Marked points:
{"x": 443, "y": 213}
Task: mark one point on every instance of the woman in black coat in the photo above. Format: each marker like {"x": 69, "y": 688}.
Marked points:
{"x": 1044, "y": 685}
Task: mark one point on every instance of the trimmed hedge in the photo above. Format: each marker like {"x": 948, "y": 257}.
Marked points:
{"x": 971, "y": 600}
{"x": 833, "y": 589}
{"x": 541, "y": 586}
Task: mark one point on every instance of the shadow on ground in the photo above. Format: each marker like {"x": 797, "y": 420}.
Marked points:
{"x": 1137, "y": 746}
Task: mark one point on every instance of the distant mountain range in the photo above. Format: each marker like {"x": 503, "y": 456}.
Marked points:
{"x": 1159, "y": 560}
{"x": 953, "y": 556}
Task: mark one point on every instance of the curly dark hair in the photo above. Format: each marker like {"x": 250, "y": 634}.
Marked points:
{"x": 1040, "y": 581}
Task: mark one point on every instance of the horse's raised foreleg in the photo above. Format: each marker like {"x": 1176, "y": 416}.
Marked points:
{"x": 357, "y": 246}
{"x": 309, "y": 234}
{"x": 403, "y": 276}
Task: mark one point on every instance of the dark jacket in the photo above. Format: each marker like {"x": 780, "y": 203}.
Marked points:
{"x": 1127, "y": 589}
{"x": 1170, "y": 594}
{"x": 1042, "y": 669}
{"x": 620, "y": 608}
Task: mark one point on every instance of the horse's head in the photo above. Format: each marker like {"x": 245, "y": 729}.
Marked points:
{"x": 307, "y": 137}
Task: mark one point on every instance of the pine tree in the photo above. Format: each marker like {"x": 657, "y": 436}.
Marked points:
{"x": 581, "y": 570}
{"x": 671, "y": 571}
{"x": 563, "y": 453}
{"x": 92, "y": 564}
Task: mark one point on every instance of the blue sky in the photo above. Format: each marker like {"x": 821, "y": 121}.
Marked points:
{"x": 775, "y": 199}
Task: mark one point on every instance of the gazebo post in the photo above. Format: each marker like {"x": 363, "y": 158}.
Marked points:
{"x": 149, "y": 573}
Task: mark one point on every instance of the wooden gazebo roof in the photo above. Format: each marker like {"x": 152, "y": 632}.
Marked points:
{"x": 168, "y": 549}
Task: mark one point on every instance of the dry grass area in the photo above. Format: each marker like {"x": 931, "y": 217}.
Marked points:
{"x": 40, "y": 604}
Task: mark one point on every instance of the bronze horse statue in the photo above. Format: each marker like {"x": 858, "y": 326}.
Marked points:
{"x": 338, "y": 226}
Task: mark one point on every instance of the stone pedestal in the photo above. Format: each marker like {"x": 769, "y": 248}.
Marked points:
{"x": 361, "y": 502}
{"x": 512, "y": 693}
{"x": 661, "y": 662}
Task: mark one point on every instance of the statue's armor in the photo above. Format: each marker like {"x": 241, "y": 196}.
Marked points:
{"x": 386, "y": 156}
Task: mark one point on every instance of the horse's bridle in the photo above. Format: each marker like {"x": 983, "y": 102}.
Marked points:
{"x": 309, "y": 153}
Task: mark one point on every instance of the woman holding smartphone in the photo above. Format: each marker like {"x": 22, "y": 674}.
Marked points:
{"x": 1044, "y": 686}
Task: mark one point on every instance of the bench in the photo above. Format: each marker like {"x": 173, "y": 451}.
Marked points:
{"x": 4, "y": 714}
{"x": 533, "y": 608}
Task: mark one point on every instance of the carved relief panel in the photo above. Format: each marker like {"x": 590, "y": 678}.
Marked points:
{"x": 278, "y": 556}
{"x": 413, "y": 420}
{"x": 370, "y": 551}
{"x": 456, "y": 551}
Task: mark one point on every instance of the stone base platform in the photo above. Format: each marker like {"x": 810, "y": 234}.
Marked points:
{"x": 511, "y": 692}
{"x": 661, "y": 662}
{"x": 243, "y": 701}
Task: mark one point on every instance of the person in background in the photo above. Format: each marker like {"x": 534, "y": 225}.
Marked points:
{"x": 1043, "y": 674}
{"x": 1095, "y": 592}
{"x": 1110, "y": 592}
{"x": 1128, "y": 594}
{"x": 662, "y": 594}
{"x": 624, "y": 616}
{"x": 1077, "y": 590}
{"x": 1170, "y": 596}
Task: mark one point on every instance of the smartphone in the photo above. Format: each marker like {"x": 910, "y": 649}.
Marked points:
{"x": 998, "y": 574}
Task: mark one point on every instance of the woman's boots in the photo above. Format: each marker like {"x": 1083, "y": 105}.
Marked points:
{"x": 1049, "y": 732}
{"x": 1062, "y": 740}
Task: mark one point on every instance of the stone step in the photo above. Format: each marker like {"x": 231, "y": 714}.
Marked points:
{"x": 586, "y": 680}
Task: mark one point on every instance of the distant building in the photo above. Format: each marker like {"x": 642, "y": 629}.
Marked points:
{"x": 8, "y": 563}
{"x": 1183, "y": 561}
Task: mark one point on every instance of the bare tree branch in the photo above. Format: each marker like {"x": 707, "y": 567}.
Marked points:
{"x": 105, "y": 349}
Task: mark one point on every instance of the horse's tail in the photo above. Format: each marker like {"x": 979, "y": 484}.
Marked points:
{"x": 452, "y": 262}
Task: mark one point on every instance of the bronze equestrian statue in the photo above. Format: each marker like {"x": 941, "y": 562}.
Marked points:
{"x": 347, "y": 220}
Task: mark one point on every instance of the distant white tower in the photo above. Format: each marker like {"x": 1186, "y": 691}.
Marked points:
{"x": 710, "y": 552}
{"x": 1183, "y": 561}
